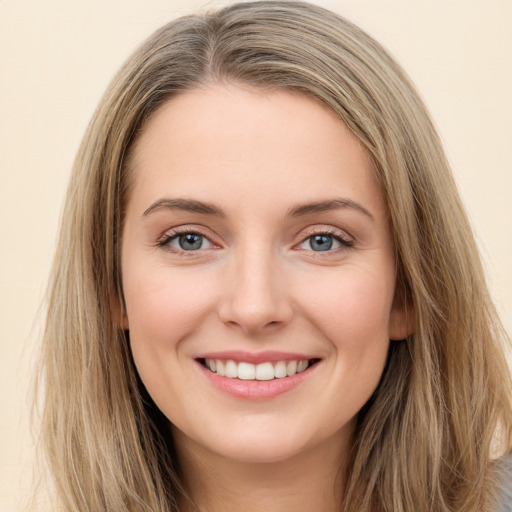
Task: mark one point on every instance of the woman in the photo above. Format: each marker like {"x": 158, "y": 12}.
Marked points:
{"x": 266, "y": 293}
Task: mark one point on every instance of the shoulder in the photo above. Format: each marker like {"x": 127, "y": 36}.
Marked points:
{"x": 505, "y": 470}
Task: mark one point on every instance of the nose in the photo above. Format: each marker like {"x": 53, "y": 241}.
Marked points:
{"x": 256, "y": 300}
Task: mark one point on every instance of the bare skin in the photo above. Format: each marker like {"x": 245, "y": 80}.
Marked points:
{"x": 256, "y": 228}
{"x": 309, "y": 481}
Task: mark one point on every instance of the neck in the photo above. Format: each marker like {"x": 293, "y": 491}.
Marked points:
{"x": 311, "y": 480}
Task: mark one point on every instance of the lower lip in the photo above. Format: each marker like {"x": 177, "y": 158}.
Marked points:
{"x": 257, "y": 389}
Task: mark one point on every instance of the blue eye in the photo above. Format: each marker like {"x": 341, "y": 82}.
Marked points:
{"x": 189, "y": 242}
{"x": 323, "y": 242}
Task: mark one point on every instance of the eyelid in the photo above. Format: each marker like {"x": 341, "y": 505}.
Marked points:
{"x": 170, "y": 234}
{"x": 347, "y": 241}
{"x": 342, "y": 236}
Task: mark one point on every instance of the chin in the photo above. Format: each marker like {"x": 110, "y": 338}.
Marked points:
{"x": 259, "y": 441}
{"x": 261, "y": 451}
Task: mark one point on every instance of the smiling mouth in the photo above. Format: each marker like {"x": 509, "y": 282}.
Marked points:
{"x": 263, "y": 372}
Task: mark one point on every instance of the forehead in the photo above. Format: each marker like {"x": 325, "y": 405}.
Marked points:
{"x": 229, "y": 138}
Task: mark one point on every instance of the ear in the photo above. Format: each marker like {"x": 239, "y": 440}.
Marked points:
{"x": 402, "y": 316}
{"x": 118, "y": 312}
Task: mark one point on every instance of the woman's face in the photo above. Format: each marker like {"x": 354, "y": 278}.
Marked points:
{"x": 256, "y": 243}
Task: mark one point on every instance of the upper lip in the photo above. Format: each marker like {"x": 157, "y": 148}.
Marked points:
{"x": 255, "y": 357}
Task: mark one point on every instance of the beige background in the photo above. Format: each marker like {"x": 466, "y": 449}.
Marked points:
{"x": 57, "y": 56}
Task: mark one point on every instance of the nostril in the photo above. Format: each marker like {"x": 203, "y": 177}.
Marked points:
{"x": 254, "y": 308}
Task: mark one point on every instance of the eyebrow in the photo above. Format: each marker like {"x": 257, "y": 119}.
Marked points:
{"x": 330, "y": 204}
{"x": 189, "y": 205}
{"x": 192, "y": 205}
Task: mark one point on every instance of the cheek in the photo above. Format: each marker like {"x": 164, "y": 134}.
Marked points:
{"x": 352, "y": 308}
{"x": 164, "y": 306}
{"x": 353, "y": 317}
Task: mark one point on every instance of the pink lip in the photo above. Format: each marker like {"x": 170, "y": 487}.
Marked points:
{"x": 255, "y": 357}
{"x": 256, "y": 389}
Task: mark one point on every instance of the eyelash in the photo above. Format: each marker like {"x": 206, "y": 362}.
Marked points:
{"x": 344, "y": 240}
{"x": 167, "y": 238}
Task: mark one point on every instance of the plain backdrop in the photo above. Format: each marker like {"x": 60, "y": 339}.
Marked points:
{"x": 56, "y": 58}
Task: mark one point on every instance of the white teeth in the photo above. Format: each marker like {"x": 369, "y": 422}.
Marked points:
{"x": 301, "y": 366}
{"x": 246, "y": 371}
{"x": 220, "y": 368}
{"x": 280, "y": 370}
{"x": 291, "y": 368}
{"x": 262, "y": 371}
{"x": 231, "y": 370}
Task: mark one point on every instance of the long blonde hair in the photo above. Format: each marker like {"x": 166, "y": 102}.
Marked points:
{"x": 423, "y": 441}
